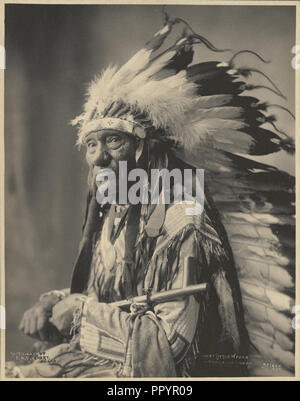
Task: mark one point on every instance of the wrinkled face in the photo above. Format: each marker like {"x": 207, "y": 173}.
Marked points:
{"x": 106, "y": 148}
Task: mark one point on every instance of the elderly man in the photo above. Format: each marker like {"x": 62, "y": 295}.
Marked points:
{"x": 149, "y": 114}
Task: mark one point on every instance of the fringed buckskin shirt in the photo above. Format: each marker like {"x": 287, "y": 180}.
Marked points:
{"x": 170, "y": 339}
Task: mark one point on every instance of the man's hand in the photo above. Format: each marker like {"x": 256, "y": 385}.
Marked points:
{"x": 62, "y": 313}
{"x": 35, "y": 321}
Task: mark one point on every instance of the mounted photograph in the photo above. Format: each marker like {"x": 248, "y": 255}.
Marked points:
{"x": 149, "y": 188}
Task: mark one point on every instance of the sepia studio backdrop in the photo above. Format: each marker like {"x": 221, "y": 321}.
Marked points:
{"x": 52, "y": 52}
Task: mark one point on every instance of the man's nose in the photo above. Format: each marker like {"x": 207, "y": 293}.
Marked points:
{"x": 101, "y": 156}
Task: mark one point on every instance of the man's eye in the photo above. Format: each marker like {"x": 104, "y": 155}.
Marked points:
{"x": 113, "y": 139}
{"x": 91, "y": 145}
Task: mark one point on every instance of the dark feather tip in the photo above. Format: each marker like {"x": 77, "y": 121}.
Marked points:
{"x": 288, "y": 145}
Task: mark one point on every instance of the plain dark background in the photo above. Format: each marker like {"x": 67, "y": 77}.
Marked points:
{"x": 52, "y": 52}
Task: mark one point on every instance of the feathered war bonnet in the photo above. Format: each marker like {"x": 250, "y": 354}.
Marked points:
{"x": 196, "y": 107}
{"x": 197, "y": 110}
{"x": 206, "y": 114}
